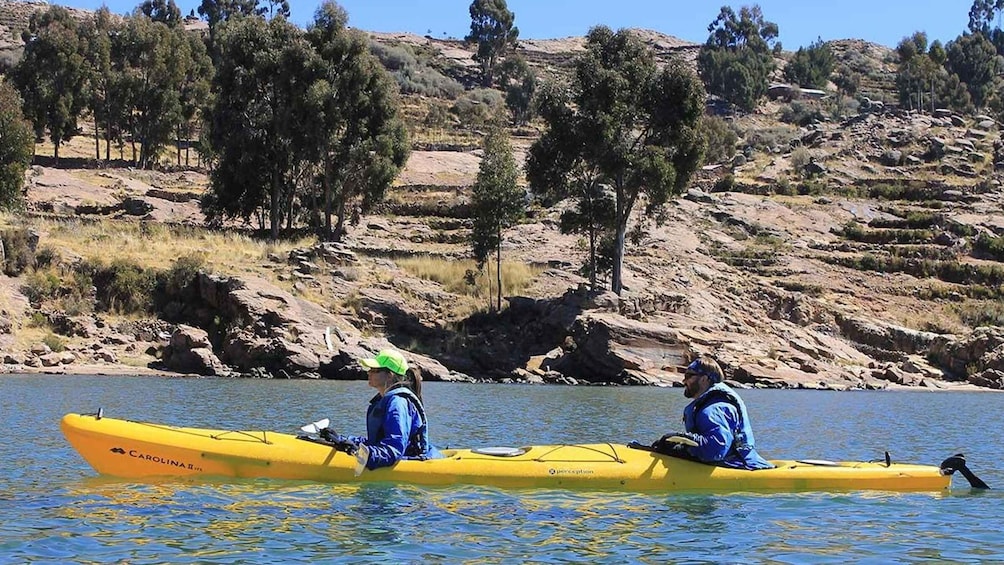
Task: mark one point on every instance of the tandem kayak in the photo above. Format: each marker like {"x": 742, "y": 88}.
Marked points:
{"x": 128, "y": 449}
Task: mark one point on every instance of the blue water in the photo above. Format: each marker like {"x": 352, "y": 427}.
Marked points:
{"x": 55, "y": 509}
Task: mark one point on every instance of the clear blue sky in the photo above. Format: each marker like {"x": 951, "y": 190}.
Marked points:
{"x": 800, "y": 21}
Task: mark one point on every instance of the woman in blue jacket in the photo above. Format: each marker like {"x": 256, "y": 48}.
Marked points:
{"x": 396, "y": 425}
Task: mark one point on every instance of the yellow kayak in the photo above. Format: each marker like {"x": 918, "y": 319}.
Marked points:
{"x": 123, "y": 448}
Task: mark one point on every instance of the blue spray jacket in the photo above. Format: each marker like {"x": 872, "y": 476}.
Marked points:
{"x": 397, "y": 429}
{"x": 722, "y": 423}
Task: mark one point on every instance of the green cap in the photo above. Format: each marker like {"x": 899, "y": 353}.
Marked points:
{"x": 390, "y": 359}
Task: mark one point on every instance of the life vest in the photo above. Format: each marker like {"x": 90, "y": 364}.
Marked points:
{"x": 418, "y": 440}
{"x": 743, "y": 443}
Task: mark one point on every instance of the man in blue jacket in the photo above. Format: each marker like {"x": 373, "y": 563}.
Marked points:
{"x": 718, "y": 426}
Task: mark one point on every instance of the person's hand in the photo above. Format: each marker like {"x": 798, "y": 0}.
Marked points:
{"x": 676, "y": 441}
{"x": 340, "y": 442}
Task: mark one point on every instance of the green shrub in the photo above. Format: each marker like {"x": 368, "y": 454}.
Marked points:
{"x": 720, "y": 139}
{"x": 19, "y": 250}
{"x": 802, "y": 112}
{"x": 122, "y": 287}
{"x": 989, "y": 245}
{"x": 40, "y": 286}
{"x": 54, "y": 342}
{"x": 725, "y": 184}
{"x": 427, "y": 82}
{"x": 182, "y": 272}
{"x": 47, "y": 256}
{"x": 982, "y": 313}
{"x": 478, "y": 107}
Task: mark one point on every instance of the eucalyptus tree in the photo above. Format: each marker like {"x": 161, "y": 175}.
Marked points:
{"x": 52, "y": 75}
{"x": 362, "y": 140}
{"x": 982, "y": 17}
{"x": 520, "y": 85}
{"x": 194, "y": 93}
{"x": 626, "y": 123}
{"x": 736, "y": 61}
{"x": 218, "y": 11}
{"x": 973, "y": 57}
{"x": 557, "y": 167}
{"x": 811, "y": 67}
{"x": 493, "y": 30}
{"x": 923, "y": 82}
{"x": 257, "y": 126}
{"x": 97, "y": 33}
{"x": 497, "y": 202}
{"x": 16, "y": 147}
{"x": 162, "y": 61}
{"x": 163, "y": 11}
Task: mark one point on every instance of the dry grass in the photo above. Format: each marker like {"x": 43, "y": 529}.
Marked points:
{"x": 456, "y": 276}
{"x": 158, "y": 245}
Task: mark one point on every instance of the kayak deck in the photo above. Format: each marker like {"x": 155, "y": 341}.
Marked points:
{"x": 129, "y": 449}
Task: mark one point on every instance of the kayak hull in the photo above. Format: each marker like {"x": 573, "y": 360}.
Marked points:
{"x": 128, "y": 449}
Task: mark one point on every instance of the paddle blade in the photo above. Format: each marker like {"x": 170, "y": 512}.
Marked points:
{"x": 315, "y": 427}
{"x": 362, "y": 456}
{"x": 682, "y": 440}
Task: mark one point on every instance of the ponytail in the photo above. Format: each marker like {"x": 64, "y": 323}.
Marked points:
{"x": 414, "y": 375}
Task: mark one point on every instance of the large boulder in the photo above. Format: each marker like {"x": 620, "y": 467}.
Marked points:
{"x": 606, "y": 347}
{"x": 190, "y": 351}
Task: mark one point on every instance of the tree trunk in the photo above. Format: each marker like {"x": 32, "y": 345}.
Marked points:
{"x": 97, "y": 141}
{"x": 592, "y": 258}
{"x": 621, "y": 210}
{"x": 55, "y": 150}
{"x": 340, "y": 226}
{"x": 498, "y": 268}
{"x": 274, "y": 220}
{"x": 327, "y": 194}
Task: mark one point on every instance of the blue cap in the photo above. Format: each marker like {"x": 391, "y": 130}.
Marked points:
{"x": 699, "y": 368}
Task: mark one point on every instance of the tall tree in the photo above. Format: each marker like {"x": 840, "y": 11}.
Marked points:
{"x": 975, "y": 60}
{"x": 98, "y": 33}
{"x": 52, "y": 75}
{"x": 163, "y": 11}
{"x": 628, "y": 123}
{"x": 493, "y": 30}
{"x": 557, "y": 167}
{"x": 195, "y": 90}
{"x": 362, "y": 140}
{"x": 256, "y": 125}
{"x": 160, "y": 60}
{"x": 736, "y": 61}
{"x": 985, "y": 18}
{"x": 497, "y": 201}
{"x": 16, "y": 147}
{"x": 811, "y": 67}
{"x": 923, "y": 82}
{"x": 218, "y": 11}
{"x": 520, "y": 84}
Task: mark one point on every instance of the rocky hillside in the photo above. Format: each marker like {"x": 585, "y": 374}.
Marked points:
{"x": 846, "y": 245}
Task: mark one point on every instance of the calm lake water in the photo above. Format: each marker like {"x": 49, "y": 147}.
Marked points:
{"x": 55, "y": 509}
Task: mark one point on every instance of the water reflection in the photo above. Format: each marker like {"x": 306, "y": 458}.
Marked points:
{"x": 53, "y": 508}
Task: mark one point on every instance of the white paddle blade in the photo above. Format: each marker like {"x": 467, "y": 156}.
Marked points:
{"x": 682, "y": 439}
{"x": 362, "y": 456}
{"x": 315, "y": 427}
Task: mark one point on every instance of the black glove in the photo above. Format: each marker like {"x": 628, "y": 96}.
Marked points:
{"x": 338, "y": 441}
{"x": 676, "y": 441}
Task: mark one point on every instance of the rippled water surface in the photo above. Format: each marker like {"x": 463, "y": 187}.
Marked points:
{"x": 54, "y": 508}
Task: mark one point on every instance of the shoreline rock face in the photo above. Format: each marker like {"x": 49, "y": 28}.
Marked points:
{"x": 778, "y": 266}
